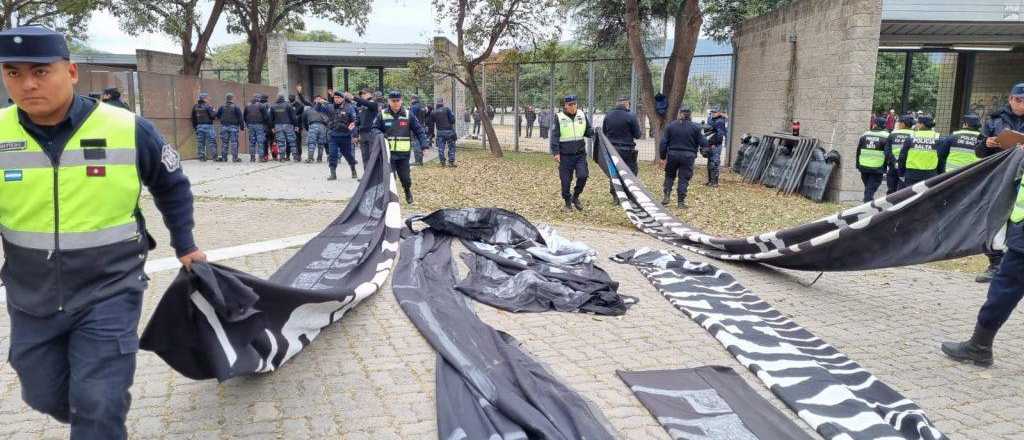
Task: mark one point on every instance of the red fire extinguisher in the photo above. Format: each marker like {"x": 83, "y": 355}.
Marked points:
{"x": 796, "y": 128}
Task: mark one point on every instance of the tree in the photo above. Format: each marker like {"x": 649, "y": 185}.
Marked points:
{"x": 66, "y": 16}
{"x": 181, "y": 19}
{"x": 924, "y": 83}
{"x": 81, "y": 48}
{"x": 257, "y": 19}
{"x": 705, "y": 91}
{"x": 687, "y": 21}
{"x": 480, "y": 26}
{"x": 315, "y": 35}
{"x": 724, "y": 16}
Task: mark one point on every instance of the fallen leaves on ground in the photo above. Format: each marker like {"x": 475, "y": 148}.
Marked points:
{"x": 527, "y": 183}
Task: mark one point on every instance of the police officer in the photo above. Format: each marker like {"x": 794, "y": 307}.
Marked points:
{"x": 399, "y": 127}
{"x": 531, "y": 116}
{"x": 419, "y": 111}
{"x": 112, "y": 96}
{"x": 894, "y": 148}
{"x": 961, "y": 146}
{"x": 74, "y": 273}
{"x": 622, "y": 129}
{"x": 544, "y": 123}
{"x": 341, "y": 121}
{"x": 719, "y": 130}
{"x": 442, "y": 122}
{"x": 1006, "y": 118}
{"x": 284, "y": 119}
{"x": 256, "y": 119}
{"x": 678, "y": 151}
{"x": 231, "y": 121}
{"x": 569, "y": 147}
{"x": 1007, "y": 286}
{"x": 314, "y": 121}
{"x": 871, "y": 158}
{"x": 298, "y": 107}
{"x": 368, "y": 111}
{"x": 920, "y": 158}
{"x": 202, "y": 122}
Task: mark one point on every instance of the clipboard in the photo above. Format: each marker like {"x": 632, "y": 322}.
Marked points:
{"x": 1010, "y": 138}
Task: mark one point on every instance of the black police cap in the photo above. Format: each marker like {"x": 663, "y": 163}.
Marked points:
{"x": 395, "y": 94}
{"x": 32, "y": 44}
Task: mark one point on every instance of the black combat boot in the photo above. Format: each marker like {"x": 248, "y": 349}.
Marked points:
{"x": 408, "y": 197}
{"x": 452, "y": 164}
{"x": 666, "y": 199}
{"x": 352, "y": 167}
{"x": 442, "y": 164}
{"x": 576, "y": 203}
{"x": 986, "y": 276}
{"x": 978, "y": 349}
{"x": 568, "y": 206}
{"x": 334, "y": 175}
{"x": 681, "y": 204}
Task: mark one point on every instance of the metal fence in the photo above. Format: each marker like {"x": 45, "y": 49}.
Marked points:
{"x": 521, "y": 96}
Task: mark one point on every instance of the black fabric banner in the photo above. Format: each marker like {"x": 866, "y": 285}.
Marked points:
{"x": 948, "y": 216}
{"x": 517, "y": 267}
{"x": 826, "y": 389}
{"x": 710, "y": 402}
{"x": 216, "y": 322}
{"x": 487, "y": 386}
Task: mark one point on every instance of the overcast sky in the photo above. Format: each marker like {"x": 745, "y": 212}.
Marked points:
{"x": 391, "y": 21}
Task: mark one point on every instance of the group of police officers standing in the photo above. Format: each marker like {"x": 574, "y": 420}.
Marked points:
{"x": 330, "y": 123}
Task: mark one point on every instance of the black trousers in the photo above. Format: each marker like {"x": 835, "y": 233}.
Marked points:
{"x": 568, "y": 165}
{"x": 529, "y": 128}
{"x": 1005, "y": 291}
{"x": 892, "y": 180}
{"x": 871, "y": 183}
{"x": 679, "y": 165}
{"x": 364, "y": 147}
{"x": 400, "y": 166}
{"x": 629, "y": 155}
{"x": 543, "y": 132}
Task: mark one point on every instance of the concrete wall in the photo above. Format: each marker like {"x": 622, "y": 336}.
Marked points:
{"x": 277, "y": 62}
{"x": 158, "y": 62}
{"x": 994, "y": 74}
{"x": 453, "y": 92}
{"x": 824, "y": 78}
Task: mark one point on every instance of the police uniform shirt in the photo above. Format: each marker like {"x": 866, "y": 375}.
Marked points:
{"x": 158, "y": 162}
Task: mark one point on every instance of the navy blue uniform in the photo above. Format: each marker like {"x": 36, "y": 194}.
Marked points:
{"x": 368, "y": 111}
{"x": 679, "y": 146}
{"x": 77, "y": 364}
{"x": 339, "y": 138}
{"x": 1007, "y": 286}
{"x": 400, "y": 159}
{"x": 622, "y": 129}
{"x": 720, "y": 129}
{"x": 572, "y": 158}
{"x": 442, "y": 124}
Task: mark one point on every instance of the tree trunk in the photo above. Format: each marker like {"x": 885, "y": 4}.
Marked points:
{"x": 635, "y": 36}
{"x": 257, "y": 56}
{"x": 481, "y": 105}
{"x": 192, "y": 60}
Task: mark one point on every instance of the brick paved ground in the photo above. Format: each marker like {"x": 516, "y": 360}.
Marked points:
{"x": 371, "y": 375}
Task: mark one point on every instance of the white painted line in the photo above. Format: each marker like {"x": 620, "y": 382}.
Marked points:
{"x": 172, "y": 263}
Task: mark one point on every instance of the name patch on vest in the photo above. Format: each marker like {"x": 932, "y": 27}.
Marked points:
{"x": 403, "y": 123}
{"x": 13, "y": 146}
{"x": 13, "y": 175}
{"x": 97, "y": 171}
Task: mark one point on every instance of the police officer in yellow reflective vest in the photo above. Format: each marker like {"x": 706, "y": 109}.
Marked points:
{"x": 1007, "y": 286}
{"x": 871, "y": 158}
{"x": 919, "y": 160}
{"x": 893, "y": 149}
{"x": 568, "y": 132}
{"x": 74, "y": 238}
{"x": 399, "y": 126}
{"x": 959, "y": 148}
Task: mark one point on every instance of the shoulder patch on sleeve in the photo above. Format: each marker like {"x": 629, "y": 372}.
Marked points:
{"x": 170, "y": 158}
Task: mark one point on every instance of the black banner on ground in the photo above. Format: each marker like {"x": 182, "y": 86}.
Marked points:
{"x": 709, "y": 403}
{"x": 487, "y": 386}
{"x": 948, "y": 216}
{"x": 826, "y": 389}
{"x": 216, "y": 322}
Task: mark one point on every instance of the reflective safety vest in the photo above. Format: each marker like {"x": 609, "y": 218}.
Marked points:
{"x": 397, "y": 131}
{"x": 922, "y": 155}
{"x": 571, "y": 131}
{"x": 871, "y": 154}
{"x": 898, "y": 139}
{"x": 88, "y": 199}
{"x": 1018, "y": 208}
{"x": 962, "y": 150}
